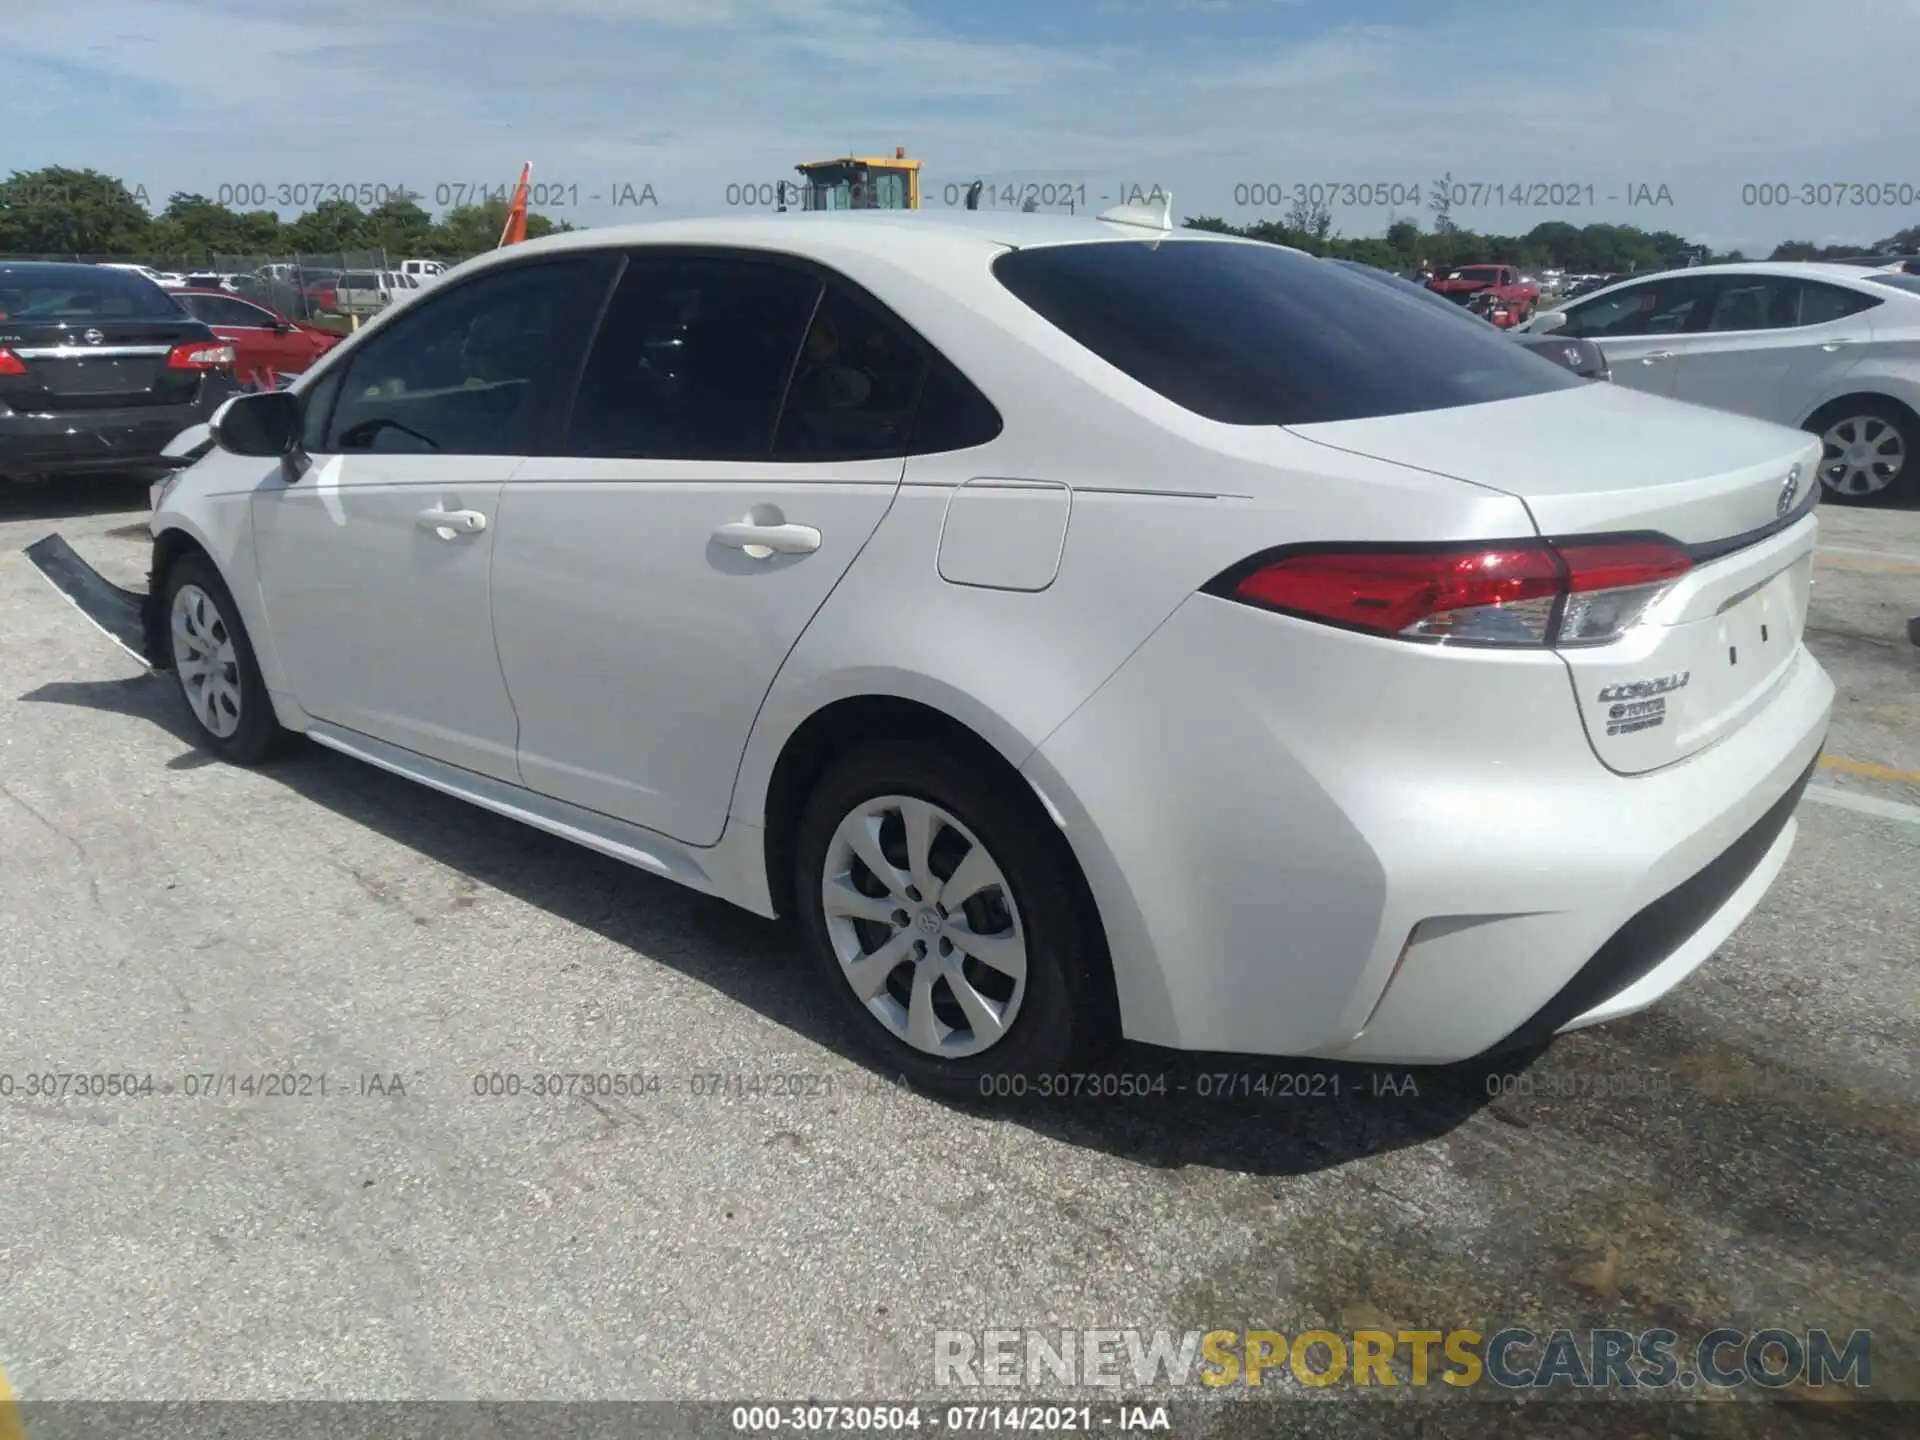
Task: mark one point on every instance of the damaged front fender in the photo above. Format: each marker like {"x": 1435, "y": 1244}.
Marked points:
{"x": 128, "y": 618}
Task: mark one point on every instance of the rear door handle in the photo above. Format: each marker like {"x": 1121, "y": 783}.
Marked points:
{"x": 1832, "y": 345}
{"x": 449, "y": 523}
{"x": 1663, "y": 355}
{"x": 764, "y": 541}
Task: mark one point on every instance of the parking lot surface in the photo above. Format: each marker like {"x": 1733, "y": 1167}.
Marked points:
{"x": 1745, "y": 1154}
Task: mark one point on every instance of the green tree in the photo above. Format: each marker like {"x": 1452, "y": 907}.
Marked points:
{"x": 79, "y": 212}
{"x": 400, "y": 227}
{"x": 194, "y": 228}
{"x": 469, "y": 229}
{"x": 330, "y": 227}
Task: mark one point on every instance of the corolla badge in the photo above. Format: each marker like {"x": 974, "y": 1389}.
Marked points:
{"x": 1789, "y": 492}
{"x": 93, "y": 337}
{"x": 1643, "y": 689}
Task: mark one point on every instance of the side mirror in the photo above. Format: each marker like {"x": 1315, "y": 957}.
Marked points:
{"x": 265, "y": 424}
{"x": 1547, "y": 321}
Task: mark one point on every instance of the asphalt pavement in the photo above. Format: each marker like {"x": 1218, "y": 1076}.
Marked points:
{"x": 770, "y": 1219}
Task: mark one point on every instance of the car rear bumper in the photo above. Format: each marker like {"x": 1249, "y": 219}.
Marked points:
{"x": 83, "y": 441}
{"x": 1307, "y": 842}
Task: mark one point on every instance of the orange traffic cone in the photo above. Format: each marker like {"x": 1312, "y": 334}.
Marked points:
{"x": 515, "y": 230}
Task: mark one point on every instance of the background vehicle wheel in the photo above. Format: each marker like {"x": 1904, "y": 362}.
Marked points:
{"x": 214, "y": 665}
{"x": 945, "y": 919}
{"x": 1867, "y": 456}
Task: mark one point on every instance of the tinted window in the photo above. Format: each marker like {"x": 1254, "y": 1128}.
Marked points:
{"x": 1820, "y": 304}
{"x": 854, "y": 388}
{"x": 1254, "y": 334}
{"x": 216, "y": 310}
{"x": 81, "y": 292}
{"x": 1754, "y": 302}
{"x": 466, "y": 372}
{"x": 1909, "y": 283}
{"x": 1408, "y": 290}
{"x": 316, "y": 408}
{"x": 1654, "y": 307}
{"x": 1475, "y": 272}
{"x": 692, "y": 359}
{"x": 952, "y": 413}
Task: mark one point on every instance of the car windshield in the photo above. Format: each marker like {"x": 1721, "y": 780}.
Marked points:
{"x": 81, "y": 293}
{"x": 1909, "y": 283}
{"x": 1255, "y": 334}
{"x": 1475, "y": 272}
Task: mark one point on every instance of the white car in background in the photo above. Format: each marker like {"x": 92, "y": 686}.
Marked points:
{"x": 166, "y": 279}
{"x": 1082, "y": 628}
{"x": 1831, "y": 348}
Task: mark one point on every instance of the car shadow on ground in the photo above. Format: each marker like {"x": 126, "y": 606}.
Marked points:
{"x": 1158, "y": 1108}
{"x": 65, "y": 498}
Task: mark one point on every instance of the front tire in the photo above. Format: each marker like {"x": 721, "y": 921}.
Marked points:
{"x": 947, "y": 923}
{"x": 1866, "y": 451}
{"x": 214, "y": 665}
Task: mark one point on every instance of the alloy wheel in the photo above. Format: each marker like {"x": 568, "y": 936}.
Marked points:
{"x": 204, "y": 659}
{"x": 1863, "y": 455}
{"x": 925, "y": 927}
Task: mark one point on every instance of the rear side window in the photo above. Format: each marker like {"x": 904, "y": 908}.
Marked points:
{"x": 82, "y": 292}
{"x": 691, "y": 360}
{"x": 1822, "y": 304}
{"x": 1253, "y": 334}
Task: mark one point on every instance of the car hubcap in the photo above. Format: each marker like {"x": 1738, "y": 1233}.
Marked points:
{"x": 204, "y": 659}
{"x": 1864, "y": 455}
{"x": 924, "y": 926}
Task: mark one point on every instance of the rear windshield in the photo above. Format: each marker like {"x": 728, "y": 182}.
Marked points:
{"x": 81, "y": 293}
{"x": 1253, "y": 334}
{"x": 1909, "y": 283}
{"x": 1474, "y": 272}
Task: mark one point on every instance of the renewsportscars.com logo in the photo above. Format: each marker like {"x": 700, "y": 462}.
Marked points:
{"x": 1513, "y": 1358}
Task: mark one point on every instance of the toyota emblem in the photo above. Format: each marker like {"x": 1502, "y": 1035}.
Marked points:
{"x": 93, "y": 337}
{"x": 1789, "y": 492}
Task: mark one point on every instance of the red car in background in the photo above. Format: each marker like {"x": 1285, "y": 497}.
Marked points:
{"x": 1500, "y": 292}
{"x": 268, "y": 346}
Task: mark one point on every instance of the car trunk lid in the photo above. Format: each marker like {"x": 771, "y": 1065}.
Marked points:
{"x": 1737, "y": 494}
{"x": 98, "y": 365}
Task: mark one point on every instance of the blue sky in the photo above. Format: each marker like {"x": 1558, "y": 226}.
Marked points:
{"x": 1205, "y": 98}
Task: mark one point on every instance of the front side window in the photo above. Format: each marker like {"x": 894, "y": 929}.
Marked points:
{"x": 1254, "y": 334}
{"x": 466, "y": 372}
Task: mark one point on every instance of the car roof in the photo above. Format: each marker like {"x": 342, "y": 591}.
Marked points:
{"x": 63, "y": 269}
{"x": 892, "y": 233}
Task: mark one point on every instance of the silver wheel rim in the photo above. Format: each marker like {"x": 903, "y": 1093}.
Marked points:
{"x": 1863, "y": 455}
{"x": 925, "y": 927}
{"x": 204, "y": 659}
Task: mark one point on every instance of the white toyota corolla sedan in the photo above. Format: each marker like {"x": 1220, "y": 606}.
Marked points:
{"x": 1083, "y": 628}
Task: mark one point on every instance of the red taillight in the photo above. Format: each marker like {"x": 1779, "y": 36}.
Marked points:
{"x": 1527, "y": 593}
{"x": 201, "y": 355}
{"x": 10, "y": 363}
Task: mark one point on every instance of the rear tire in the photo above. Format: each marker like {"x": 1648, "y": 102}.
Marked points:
{"x": 1867, "y": 454}
{"x": 970, "y": 955}
{"x": 214, "y": 665}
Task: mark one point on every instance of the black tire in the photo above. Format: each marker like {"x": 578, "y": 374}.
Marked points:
{"x": 1905, "y": 486}
{"x": 1064, "y": 1020}
{"x": 259, "y": 735}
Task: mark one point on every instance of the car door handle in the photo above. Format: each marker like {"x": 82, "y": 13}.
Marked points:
{"x": 763, "y": 541}
{"x": 1832, "y": 345}
{"x": 448, "y": 523}
{"x": 1663, "y": 355}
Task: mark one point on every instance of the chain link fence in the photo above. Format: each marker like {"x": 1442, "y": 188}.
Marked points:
{"x": 337, "y": 289}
